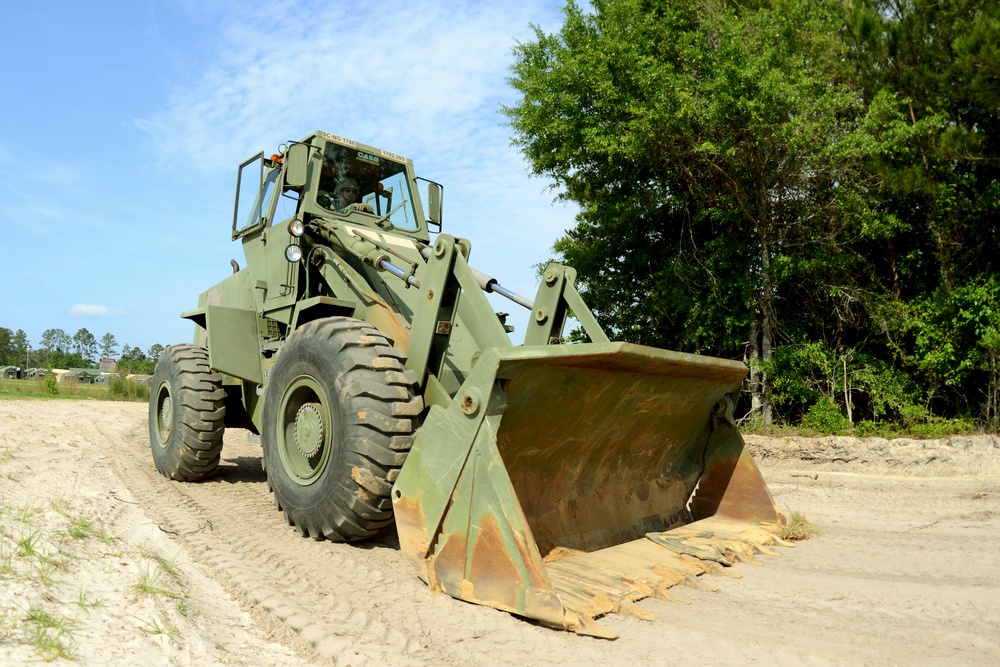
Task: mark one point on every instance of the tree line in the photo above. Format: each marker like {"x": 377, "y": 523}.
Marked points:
{"x": 57, "y": 349}
{"x": 812, "y": 186}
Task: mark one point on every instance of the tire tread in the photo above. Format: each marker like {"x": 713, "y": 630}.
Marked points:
{"x": 194, "y": 448}
{"x": 380, "y": 409}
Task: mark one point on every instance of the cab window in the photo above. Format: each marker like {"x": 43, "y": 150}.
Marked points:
{"x": 351, "y": 177}
{"x": 254, "y": 191}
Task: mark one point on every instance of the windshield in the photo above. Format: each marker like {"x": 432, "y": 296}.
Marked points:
{"x": 354, "y": 180}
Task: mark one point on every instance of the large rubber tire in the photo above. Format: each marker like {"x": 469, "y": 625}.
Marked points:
{"x": 186, "y": 414}
{"x": 340, "y": 411}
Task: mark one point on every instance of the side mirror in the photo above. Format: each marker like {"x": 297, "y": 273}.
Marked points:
{"x": 296, "y": 161}
{"x": 434, "y": 204}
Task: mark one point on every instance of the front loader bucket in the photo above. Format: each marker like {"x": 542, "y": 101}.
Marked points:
{"x": 566, "y": 481}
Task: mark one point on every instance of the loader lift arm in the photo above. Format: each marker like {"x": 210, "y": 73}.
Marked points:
{"x": 556, "y": 481}
{"x": 557, "y": 298}
{"x": 451, "y": 280}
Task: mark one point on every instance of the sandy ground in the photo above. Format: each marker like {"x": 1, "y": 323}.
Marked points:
{"x": 104, "y": 562}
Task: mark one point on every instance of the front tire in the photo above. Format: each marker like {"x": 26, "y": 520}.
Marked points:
{"x": 339, "y": 415}
{"x": 186, "y": 414}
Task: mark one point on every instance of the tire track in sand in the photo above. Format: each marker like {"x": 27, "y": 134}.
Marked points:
{"x": 230, "y": 524}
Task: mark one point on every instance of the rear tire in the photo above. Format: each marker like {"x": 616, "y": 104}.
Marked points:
{"x": 339, "y": 415}
{"x": 186, "y": 414}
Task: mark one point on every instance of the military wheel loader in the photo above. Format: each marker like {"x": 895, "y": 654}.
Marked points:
{"x": 556, "y": 481}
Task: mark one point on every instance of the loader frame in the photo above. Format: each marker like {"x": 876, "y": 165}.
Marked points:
{"x": 554, "y": 481}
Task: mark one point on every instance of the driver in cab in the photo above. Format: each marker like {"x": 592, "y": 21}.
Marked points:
{"x": 347, "y": 197}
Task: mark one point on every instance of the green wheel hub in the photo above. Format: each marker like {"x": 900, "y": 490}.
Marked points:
{"x": 309, "y": 432}
{"x": 338, "y": 417}
{"x": 303, "y": 434}
{"x": 165, "y": 415}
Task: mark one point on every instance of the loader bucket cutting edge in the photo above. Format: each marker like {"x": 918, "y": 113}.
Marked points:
{"x": 573, "y": 455}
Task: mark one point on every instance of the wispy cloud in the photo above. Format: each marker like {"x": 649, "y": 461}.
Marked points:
{"x": 407, "y": 77}
{"x": 92, "y": 311}
{"x": 422, "y": 79}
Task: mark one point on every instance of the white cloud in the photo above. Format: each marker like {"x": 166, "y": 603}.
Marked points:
{"x": 87, "y": 310}
{"x": 422, "y": 79}
{"x": 409, "y": 77}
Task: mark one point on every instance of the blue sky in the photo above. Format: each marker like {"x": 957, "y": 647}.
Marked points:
{"x": 124, "y": 124}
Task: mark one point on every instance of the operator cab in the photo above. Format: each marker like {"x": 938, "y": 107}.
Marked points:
{"x": 380, "y": 186}
{"x": 329, "y": 177}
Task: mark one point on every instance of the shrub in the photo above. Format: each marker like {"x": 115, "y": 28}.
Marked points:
{"x": 915, "y": 422}
{"x": 123, "y": 389}
{"x": 825, "y": 416}
{"x": 797, "y": 527}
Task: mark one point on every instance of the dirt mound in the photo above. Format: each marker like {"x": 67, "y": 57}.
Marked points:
{"x": 958, "y": 456}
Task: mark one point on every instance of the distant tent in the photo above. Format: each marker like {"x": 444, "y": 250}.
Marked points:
{"x": 80, "y": 375}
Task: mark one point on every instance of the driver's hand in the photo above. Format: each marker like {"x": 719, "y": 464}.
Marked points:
{"x": 364, "y": 207}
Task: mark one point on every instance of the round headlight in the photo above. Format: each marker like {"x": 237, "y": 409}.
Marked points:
{"x": 296, "y": 227}
{"x": 293, "y": 253}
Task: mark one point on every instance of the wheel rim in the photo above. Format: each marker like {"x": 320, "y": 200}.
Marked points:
{"x": 303, "y": 430}
{"x": 164, "y": 414}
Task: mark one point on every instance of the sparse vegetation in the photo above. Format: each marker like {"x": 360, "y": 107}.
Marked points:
{"x": 32, "y": 553}
{"x": 168, "y": 567}
{"x": 27, "y": 546}
{"x": 155, "y": 627}
{"x": 51, "y": 634}
{"x": 107, "y": 539}
{"x": 60, "y": 504}
{"x": 84, "y": 602}
{"x": 123, "y": 389}
{"x": 149, "y": 584}
{"x": 43, "y": 544}
{"x": 822, "y": 423}
{"x": 797, "y": 528}
{"x": 24, "y": 512}
{"x": 116, "y": 389}
{"x": 80, "y": 529}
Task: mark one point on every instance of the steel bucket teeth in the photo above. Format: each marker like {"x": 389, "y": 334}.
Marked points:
{"x": 559, "y": 483}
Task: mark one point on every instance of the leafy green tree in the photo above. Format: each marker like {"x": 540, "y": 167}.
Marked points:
{"x": 132, "y": 353}
{"x": 703, "y": 142}
{"x": 154, "y": 352}
{"x": 59, "y": 359}
{"x": 957, "y": 345}
{"x": 109, "y": 345}
{"x": 47, "y": 342}
{"x": 85, "y": 345}
{"x": 7, "y": 356}
{"x": 808, "y": 374}
{"x": 21, "y": 347}
{"x": 133, "y": 360}
{"x": 934, "y": 69}
{"x": 55, "y": 341}
{"x": 811, "y": 186}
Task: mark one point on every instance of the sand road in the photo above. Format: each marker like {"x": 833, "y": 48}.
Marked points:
{"x": 105, "y": 562}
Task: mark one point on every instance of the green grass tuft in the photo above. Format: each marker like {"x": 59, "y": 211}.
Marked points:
{"x": 51, "y": 634}
{"x": 797, "y": 528}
